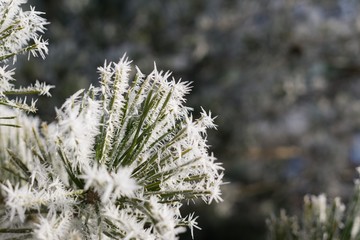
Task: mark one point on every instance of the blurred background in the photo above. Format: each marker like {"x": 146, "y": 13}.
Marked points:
{"x": 283, "y": 76}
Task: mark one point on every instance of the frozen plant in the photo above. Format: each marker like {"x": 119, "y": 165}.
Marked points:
{"x": 118, "y": 162}
{"x": 20, "y": 33}
{"x": 321, "y": 220}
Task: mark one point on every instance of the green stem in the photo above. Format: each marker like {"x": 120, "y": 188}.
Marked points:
{"x": 16, "y": 230}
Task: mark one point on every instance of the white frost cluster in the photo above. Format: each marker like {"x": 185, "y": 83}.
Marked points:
{"x": 121, "y": 157}
{"x": 20, "y": 32}
{"x": 118, "y": 162}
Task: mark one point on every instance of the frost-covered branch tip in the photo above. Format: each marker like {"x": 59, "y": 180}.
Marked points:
{"x": 20, "y": 32}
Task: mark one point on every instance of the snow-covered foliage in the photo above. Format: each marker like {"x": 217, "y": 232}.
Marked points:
{"x": 321, "y": 219}
{"x": 118, "y": 162}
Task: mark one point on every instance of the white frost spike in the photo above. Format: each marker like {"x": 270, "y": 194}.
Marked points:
{"x": 18, "y": 199}
{"x": 109, "y": 184}
{"x": 320, "y": 203}
{"x": 53, "y": 228}
{"x": 78, "y": 126}
{"x": 124, "y": 184}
